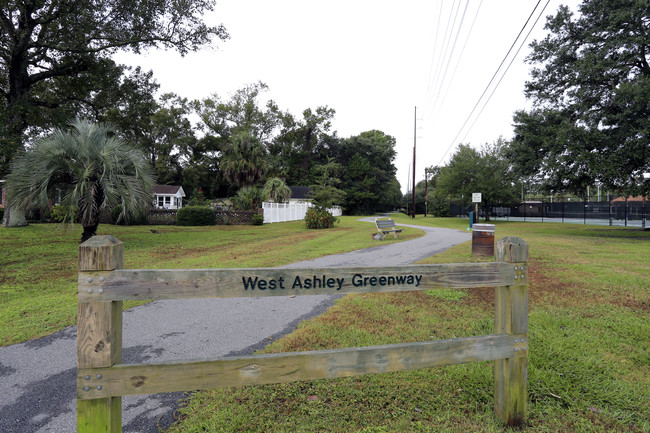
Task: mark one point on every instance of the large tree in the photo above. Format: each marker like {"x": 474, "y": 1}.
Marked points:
{"x": 52, "y": 50}
{"x": 241, "y": 113}
{"x": 369, "y": 178}
{"x": 590, "y": 122}
{"x": 89, "y": 167}
{"x": 486, "y": 171}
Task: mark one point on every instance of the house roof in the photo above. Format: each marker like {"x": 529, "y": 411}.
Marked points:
{"x": 168, "y": 189}
{"x": 300, "y": 192}
{"x": 637, "y": 198}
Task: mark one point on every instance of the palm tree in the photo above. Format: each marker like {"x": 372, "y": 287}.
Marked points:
{"x": 89, "y": 167}
{"x": 277, "y": 190}
{"x": 244, "y": 162}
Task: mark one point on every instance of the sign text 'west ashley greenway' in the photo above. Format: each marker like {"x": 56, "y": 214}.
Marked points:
{"x": 324, "y": 282}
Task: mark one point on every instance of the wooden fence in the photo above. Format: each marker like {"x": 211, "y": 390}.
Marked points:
{"x": 104, "y": 284}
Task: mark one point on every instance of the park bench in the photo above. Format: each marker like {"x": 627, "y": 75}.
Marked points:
{"x": 385, "y": 226}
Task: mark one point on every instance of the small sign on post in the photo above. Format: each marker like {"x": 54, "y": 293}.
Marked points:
{"x": 476, "y": 199}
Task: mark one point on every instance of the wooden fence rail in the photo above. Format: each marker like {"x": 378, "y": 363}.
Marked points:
{"x": 103, "y": 285}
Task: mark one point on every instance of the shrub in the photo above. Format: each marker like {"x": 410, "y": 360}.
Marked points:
{"x": 195, "y": 216}
{"x": 319, "y": 218}
{"x": 247, "y": 198}
{"x": 257, "y": 219}
{"x": 58, "y": 213}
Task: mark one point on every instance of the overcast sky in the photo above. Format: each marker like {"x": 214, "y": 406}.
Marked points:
{"x": 373, "y": 62}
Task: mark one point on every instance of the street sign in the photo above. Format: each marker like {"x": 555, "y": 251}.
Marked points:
{"x": 476, "y": 197}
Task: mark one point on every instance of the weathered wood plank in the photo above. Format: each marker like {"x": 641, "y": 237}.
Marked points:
{"x": 99, "y": 336}
{"x": 511, "y": 318}
{"x": 131, "y": 284}
{"x": 289, "y": 367}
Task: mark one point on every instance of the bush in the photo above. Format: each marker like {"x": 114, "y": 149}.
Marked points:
{"x": 257, "y": 219}
{"x": 58, "y": 213}
{"x": 195, "y": 216}
{"x": 319, "y": 218}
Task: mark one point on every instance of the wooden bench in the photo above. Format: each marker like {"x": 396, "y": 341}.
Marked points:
{"x": 385, "y": 226}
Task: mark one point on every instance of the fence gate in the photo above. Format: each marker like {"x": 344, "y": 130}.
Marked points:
{"x": 103, "y": 285}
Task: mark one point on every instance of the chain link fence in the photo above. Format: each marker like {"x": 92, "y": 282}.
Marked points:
{"x": 613, "y": 213}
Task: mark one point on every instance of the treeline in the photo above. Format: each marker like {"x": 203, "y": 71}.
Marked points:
{"x": 241, "y": 142}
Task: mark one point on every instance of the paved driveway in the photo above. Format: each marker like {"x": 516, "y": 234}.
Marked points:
{"x": 37, "y": 378}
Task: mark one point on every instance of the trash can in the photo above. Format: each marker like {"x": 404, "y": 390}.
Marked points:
{"x": 483, "y": 239}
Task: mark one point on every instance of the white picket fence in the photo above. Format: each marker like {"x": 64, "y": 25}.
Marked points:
{"x": 282, "y": 212}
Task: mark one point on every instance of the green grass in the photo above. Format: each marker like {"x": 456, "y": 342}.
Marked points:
{"x": 589, "y": 356}
{"x": 39, "y": 262}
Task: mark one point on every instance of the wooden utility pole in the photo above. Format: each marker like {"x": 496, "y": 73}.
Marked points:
{"x": 415, "y": 135}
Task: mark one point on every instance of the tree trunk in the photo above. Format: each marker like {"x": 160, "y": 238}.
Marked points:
{"x": 13, "y": 217}
{"x": 89, "y": 232}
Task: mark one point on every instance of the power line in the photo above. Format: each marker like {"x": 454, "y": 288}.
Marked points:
{"x": 460, "y": 26}
{"x": 435, "y": 44}
{"x": 506, "y": 71}
{"x": 445, "y": 44}
{"x": 491, "y": 80}
{"x": 453, "y": 75}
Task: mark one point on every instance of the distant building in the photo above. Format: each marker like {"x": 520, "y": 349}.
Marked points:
{"x": 637, "y": 198}
{"x": 168, "y": 197}
{"x": 300, "y": 194}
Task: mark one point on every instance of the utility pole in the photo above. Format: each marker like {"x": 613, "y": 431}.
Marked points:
{"x": 415, "y": 135}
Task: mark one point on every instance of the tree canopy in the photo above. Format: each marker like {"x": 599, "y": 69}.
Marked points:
{"x": 89, "y": 168}
{"x": 55, "y": 54}
{"x": 486, "y": 171}
{"x": 590, "y": 122}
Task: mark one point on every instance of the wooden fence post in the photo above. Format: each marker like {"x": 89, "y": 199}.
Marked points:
{"x": 511, "y": 317}
{"x": 99, "y": 336}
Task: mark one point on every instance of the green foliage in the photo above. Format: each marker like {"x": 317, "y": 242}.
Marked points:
{"x": 303, "y": 143}
{"x": 195, "y": 216}
{"x": 276, "y": 190}
{"x": 93, "y": 168}
{"x": 58, "y": 213}
{"x": 243, "y": 162}
{"x": 369, "y": 180}
{"x": 198, "y": 198}
{"x": 318, "y": 217}
{"x": 486, "y": 171}
{"x": 590, "y": 89}
{"x": 56, "y": 55}
{"x": 248, "y": 198}
{"x": 257, "y": 219}
{"x": 119, "y": 217}
{"x": 325, "y": 191}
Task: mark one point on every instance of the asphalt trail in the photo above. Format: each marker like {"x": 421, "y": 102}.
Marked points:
{"x": 37, "y": 378}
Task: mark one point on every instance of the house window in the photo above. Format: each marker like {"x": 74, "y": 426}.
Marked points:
{"x": 161, "y": 202}
{"x": 168, "y": 201}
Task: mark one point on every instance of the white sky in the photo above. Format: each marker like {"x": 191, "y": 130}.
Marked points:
{"x": 373, "y": 62}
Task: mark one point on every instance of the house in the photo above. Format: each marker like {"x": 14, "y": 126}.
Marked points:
{"x": 300, "y": 194}
{"x": 168, "y": 197}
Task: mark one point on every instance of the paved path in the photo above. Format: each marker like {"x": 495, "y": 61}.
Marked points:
{"x": 37, "y": 378}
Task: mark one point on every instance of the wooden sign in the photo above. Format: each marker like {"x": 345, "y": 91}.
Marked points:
{"x": 134, "y": 284}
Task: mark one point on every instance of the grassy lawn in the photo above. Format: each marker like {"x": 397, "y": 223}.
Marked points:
{"x": 589, "y": 365}
{"x": 39, "y": 262}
